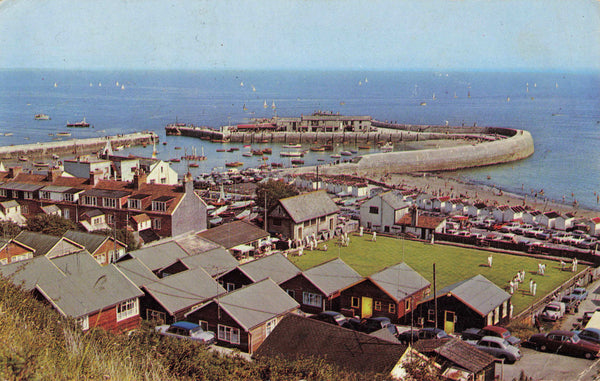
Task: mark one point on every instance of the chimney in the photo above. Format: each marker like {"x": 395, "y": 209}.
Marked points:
{"x": 95, "y": 177}
{"x": 53, "y": 174}
{"x": 188, "y": 183}
{"x": 14, "y": 172}
{"x": 414, "y": 215}
{"x": 139, "y": 178}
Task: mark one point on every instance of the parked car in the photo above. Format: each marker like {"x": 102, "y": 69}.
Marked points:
{"x": 373, "y": 324}
{"x": 490, "y": 330}
{"x": 186, "y": 330}
{"x": 332, "y": 317}
{"x": 589, "y": 334}
{"x": 497, "y": 347}
{"x": 411, "y": 336}
{"x": 553, "y": 311}
{"x": 564, "y": 342}
{"x": 571, "y": 303}
{"x": 579, "y": 293}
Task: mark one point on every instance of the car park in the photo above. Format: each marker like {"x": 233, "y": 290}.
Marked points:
{"x": 411, "y": 335}
{"x": 553, "y": 311}
{"x": 490, "y": 330}
{"x": 566, "y": 343}
{"x": 373, "y": 324}
{"x": 333, "y": 317}
{"x": 186, "y": 330}
{"x": 497, "y": 347}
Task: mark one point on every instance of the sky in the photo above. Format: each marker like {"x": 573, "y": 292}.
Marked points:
{"x": 509, "y": 35}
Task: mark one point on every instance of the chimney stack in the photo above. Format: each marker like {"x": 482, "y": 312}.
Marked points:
{"x": 53, "y": 174}
{"x": 188, "y": 183}
{"x": 14, "y": 172}
{"x": 95, "y": 177}
{"x": 414, "y": 215}
{"x": 139, "y": 178}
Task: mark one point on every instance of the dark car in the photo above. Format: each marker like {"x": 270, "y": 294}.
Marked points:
{"x": 589, "y": 334}
{"x": 497, "y": 347}
{"x": 373, "y": 324}
{"x": 411, "y": 336}
{"x": 571, "y": 303}
{"x": 332, "y": 317}
{"x": 186, "y": 330}
{"x": 490, "y": 330}
{"x": 566, "y": 343}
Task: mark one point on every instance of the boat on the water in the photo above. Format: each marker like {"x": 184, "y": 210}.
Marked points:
{"x": 276, "y": 165}
{"x": 177, "y": 147}
{"x": 291, "y": 154}
{"x": 267, "y": 151}
{"x": 63, "y": 134}
{"x": 41, "y": 117}
{"x": 40, "y": 164}
{"x": 234, "y": 164}
{"x": 233, "y": 149}
{"x": 387, "y": 147}
{"x": 23, "y": 158}
{"x": 297, "y": 161}
{"x": 175, "y": 160}
{"x": 364, "y": 147}
{"x": 292, "y": 146}
{"x": 335, "y": 156}
{"x": 221, "y": 150}
{"x": 247, "y": 154}
{"x": 346, "y": 153}
{"x": 81, "y": 124}
{"x": 317, "y": 149}
{"x": 193, "y": 165}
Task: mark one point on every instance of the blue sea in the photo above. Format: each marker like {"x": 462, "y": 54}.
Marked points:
{"x": 561, "y": 110}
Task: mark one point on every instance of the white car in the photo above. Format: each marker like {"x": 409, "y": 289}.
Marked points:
{"x": 186, "y": 330}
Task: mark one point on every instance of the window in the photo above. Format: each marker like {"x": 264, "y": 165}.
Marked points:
{"x": 127, "y": 309}
{"x": 270, "y": 326}
{"x": 505, "y": 308}
{"x": 311, "y": 299}
{"x": 291, "y": 293}
{"x": 66, "y": 213}
{"x": 392, "y": 308}
{"x": 159, "y": 206}
{"x": 101, "y": 258}
{"x": 229, "y": 334}
{"x": 431, "y": 315}
{"x": 45, "y": 195}
{"x": 163, "y": 180}
{"x": 374, "y": 209}
{"x": 110, "y": 202}
{"x": 28, "y": 195}
{"x": 156, "y": 223}
{"x": 3, "y": 192}
{"x": 83, "y": 321}
{"x": 156, "y": 316}
{"x": 377, "y": 305}
{"x": 354, "y": 302}
{"x": 407, "y": 304}
{"x": 89, "y": 200}
{"x": 230, "y": 287}
{"x": 134, "y": 204}
{"x": 496, "y": 315}
{"x": 69, "y": 197}
{"x": 3, "y": 261}
{"x": 25, "y": 209}
{"x": 110, "y": 218}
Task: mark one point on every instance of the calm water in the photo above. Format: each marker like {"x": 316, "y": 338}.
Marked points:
{"x": 562, "y": 111}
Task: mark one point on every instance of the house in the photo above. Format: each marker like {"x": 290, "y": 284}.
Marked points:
{"x": 392, "y": 292}
{"x": 104, "y": 248}
{"x": 160, "y": 256}
{"x": 498, "y": 213}
{"x": 168, "y": 299}
{"x": 48, "y": 245}
{"x": 318, "y": 288}
{"x": 380, "y": 213}
{"x": 12, "y": 251}
{"x": 298, "y": 337}
{"x": 564, "y": 222}
{"x": 215, "y": 262}
{"x": 531, "y": 217}
{"x": 421, "y": 226}
{"x": 11, "y": 211}
{"x": 245, "y": 317}
{"x": 476, "y": 210}
{"x": 424, "y": 201}
{"x": 99, "y": 203}
{"x": 549, "y": 219}
{"x": 157, "y": 171}
{"x": 594, "y": 226}
{"x": 78, "y": 287}
{"x": 275, "y": 266}
{"x": 240, "y": 237}
{"x": 84, "y": 166}
{"x": 458, "y": 360}
{"x": 471, "y": 303}
{"x": 301, "y": 216}
{"x": 136, "y": 271}
{"x": 514, "y": 213}
{"x": 439, "y": 203}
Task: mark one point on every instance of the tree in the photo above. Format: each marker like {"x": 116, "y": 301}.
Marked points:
{"x": 9, "y": 229}
{"x": 274, "y": 190}
{"x": 50, "y": 224}
{"x": 124, "y": 236}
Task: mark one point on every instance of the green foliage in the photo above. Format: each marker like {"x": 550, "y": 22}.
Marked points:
{"x": 123, "y": 236}
{"x": 50, "y": 224}
{"x": 274, "y": 191}
{"x": 9, "y": 229}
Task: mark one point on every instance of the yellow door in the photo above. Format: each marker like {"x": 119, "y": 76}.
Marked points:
{"x": 449, "y": 321}
{"x": 366, "y": 309}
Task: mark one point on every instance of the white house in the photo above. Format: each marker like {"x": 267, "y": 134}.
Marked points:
{"x": 531, "y": 217}
{"x": 548, "y": 219}
{"x": 11, "y": 211}
{"x": 381, "y": 212}
{"x": 476, "y": 210}
{"x": 514, "y": 213}
{"x": 498, "y": 213}
{"x": 594, "y": 225}
{"x": 425, "y": 201}
{"x": 564, "y": 222}
{"x": 439, "y": 203}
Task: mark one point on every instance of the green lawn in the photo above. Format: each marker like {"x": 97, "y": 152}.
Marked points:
{"x": 453, "y": 264}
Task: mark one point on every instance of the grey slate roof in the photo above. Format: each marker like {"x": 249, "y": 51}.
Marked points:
{"x": 183, "y": 290}
{"x": 20, "y": 186}
{"x": 310, "y": 205}
{"x": 256, "y": 303}
{"x": 28, "y": 273}
{"x": 42, "y": 243}
{"x": 332, "y": 276}
{"x": 86, "y": 292}
{"x": 90, "y": 241}
{"x": 216, "y": 261}
{"x": 275, "y": 266}
{"x": 234, "y": 233}
{"x": 193, "y": 244}
{"x": 159, "y": 256}
{"x": 394, "y": 200}
{"x": 297, "y": 337}
{"x": 75, "y": 263}
{"x": 136, "y": 271}
{"x": 399, "y": 281}
{"x": 478, "y": 292}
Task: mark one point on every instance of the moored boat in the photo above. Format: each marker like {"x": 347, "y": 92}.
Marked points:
{"x": 234, "y": 164}
{"x": 81, "y": 124}
{"x": 297, "y": 161}
{"x": 317, "y": 149}
{"x": 194, "y": 165}
{"x": 291, "y": 154}
{"x": 335, "y": 156}
{"x": 63, "y": 134}
{"x": 40, "y": 164}
{"x": 346, "y": 153}
{"x": 267, "y": 151}
{"x": 41, "y": 117}
{"x": 292, "y": 146}
{"x": 364, "y": 147}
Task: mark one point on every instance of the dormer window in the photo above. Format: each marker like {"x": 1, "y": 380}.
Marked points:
{"x": 159, "y": 206}
{"x": 45, "y": 195}
{"x": 89, "y": 200}
{"x": 110, "y": 202}
{"x": 134, "y": 204}
{"x": 69, "y": 197}
{"x": 28, "y": 195}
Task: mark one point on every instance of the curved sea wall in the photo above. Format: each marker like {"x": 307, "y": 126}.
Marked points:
{"x": 516, "y": 147}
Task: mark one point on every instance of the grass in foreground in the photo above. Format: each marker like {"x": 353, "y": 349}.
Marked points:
{"x": 453, "y": 264}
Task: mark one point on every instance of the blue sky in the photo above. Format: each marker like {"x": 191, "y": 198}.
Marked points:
{"x": 301, "y": 34}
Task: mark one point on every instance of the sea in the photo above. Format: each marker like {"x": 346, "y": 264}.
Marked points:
{"x": 561, "y": 110}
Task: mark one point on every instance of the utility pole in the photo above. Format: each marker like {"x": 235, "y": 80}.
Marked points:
{"x": 435, "y": 298}
{"x": 265, "y": 212}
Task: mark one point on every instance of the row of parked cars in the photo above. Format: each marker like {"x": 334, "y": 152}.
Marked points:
{"x": 576, "y": 238}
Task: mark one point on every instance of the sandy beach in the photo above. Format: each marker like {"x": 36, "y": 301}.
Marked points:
{"x": 449, "y": 184}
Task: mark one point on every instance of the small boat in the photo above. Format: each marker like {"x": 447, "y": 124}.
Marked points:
{"x": 221, "y": 150}
{"x": 423, "y": 104}
{"x": 335, "y": 156}
{"x": 247, "y": 154}
{"x": 55, "y": 157}
{"x": 292, "y": 146}
{"x": 23, "y": 158}
{"x": 346, "y": 153}
{"x": 265, "y": 104}
{"x": 387, "y": 147}
{"x": 232, "y": 149}
{"x": 81, "y": 124}
{"x": 234, "y": 164}
{"x": 291, "y": 154}
{"x": 328, "y": 147}
{"x": 164, "y": 143}
{"x": 41, "y": 117}
{"x": 175, "y": 160}
{"x": 63, "y": 134}
{"x": 8, "y": 134}
{"x": 297, "y": 161}
{"x": 276, "y": 165}
{"x": 194, "y": 165}
{"x": 177, "y": 147}
{"x": 257, "y": 152}
{"x": 317, "y": 149}
{"x": 267, "y": 151}
{"x": 40, "y": 164}
{"x": 353, "y": 151}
